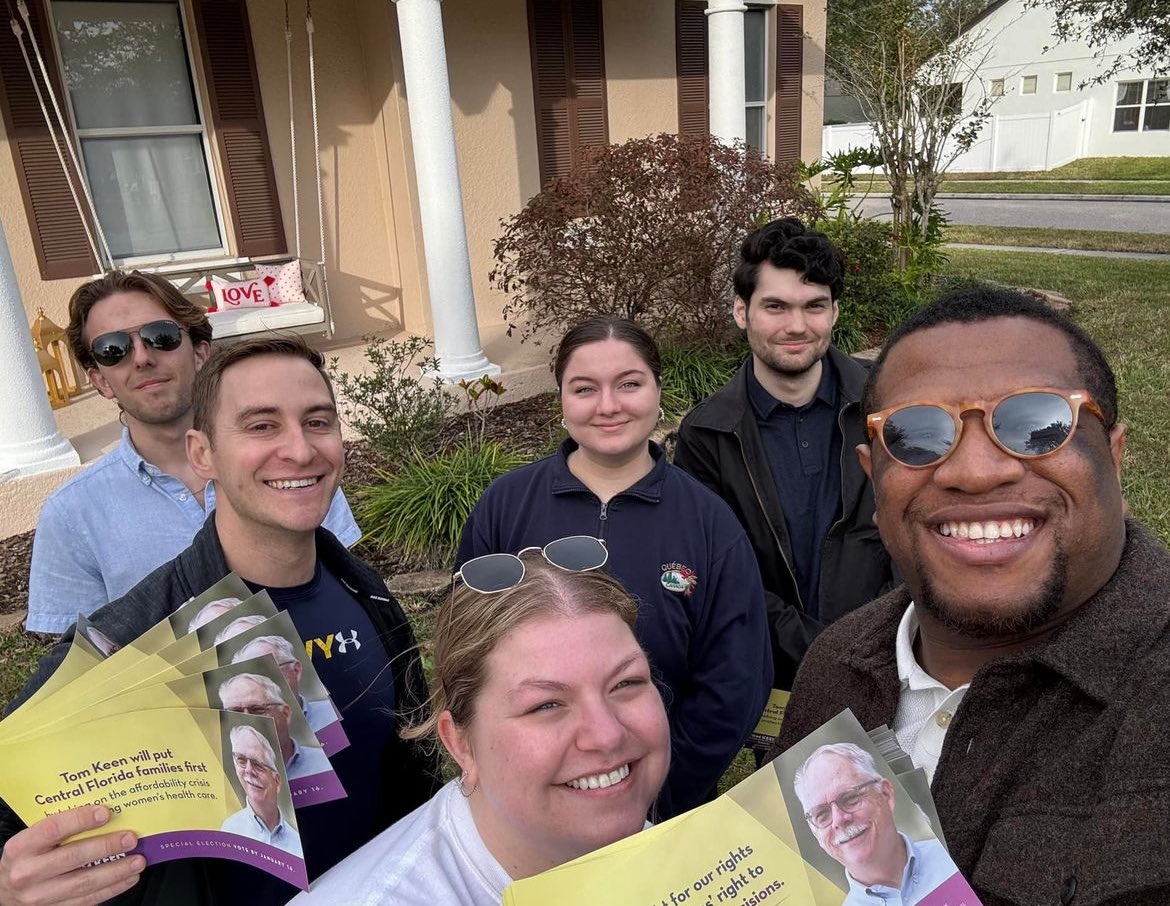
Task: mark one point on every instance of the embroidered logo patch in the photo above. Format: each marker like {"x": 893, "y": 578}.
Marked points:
{"x": 679, "y": 579}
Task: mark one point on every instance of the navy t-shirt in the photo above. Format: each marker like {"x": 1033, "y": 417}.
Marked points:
{"x": 352, "y": 663}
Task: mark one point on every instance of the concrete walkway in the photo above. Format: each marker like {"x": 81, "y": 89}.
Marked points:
{"x": 1084, "y": 253}
{"x": 1096, "y": 212}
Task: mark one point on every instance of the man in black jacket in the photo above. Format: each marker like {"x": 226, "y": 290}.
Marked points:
{"x": 777, "y": 442}
{"x": 266, "y": 432}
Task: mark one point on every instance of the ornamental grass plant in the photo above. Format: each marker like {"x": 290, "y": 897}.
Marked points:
{"x": 421, "y": 508}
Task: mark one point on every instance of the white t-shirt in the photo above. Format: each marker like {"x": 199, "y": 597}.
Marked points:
{"x": 432, "y": 856}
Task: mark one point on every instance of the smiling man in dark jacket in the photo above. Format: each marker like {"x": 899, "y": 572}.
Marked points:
{"x": 777, "y": 442}
{"x": 1024, "y": 663}
{"x": 266, "y": 432}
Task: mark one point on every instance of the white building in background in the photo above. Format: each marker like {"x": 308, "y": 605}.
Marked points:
{"x": 1041, "y": 117}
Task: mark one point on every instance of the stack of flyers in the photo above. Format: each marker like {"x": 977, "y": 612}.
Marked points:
{"x": 204, "y": 735}
{"x": 828, "y": 823}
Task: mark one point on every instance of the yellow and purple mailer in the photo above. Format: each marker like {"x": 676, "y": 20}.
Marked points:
{"x": 191, "y": 783}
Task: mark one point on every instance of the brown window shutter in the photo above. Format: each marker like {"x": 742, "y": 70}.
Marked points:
{"x": 590, "y": 116}
{"x": 550, "y": 79}
{"x": 57, "y": 228}
{"x": 789, "y": 68}
{"x": 568, "y": 75}
{"x": 690, "y": 27}
{"x": 238, "y": 118}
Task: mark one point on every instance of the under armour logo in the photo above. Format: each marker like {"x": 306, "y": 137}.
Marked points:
{"x": 343, "y": 642}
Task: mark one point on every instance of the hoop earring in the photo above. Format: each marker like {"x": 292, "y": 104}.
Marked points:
{"x": 661, "y": 414}
{"x": 466, "y": 792}
{"x": 563, "y": 425}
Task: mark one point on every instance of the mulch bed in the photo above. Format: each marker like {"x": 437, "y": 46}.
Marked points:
{"x": 15, "y": 556}
{"x": 529, "y": 426}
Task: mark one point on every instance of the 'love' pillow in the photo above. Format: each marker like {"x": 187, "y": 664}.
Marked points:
{"x": 227, "y": 295}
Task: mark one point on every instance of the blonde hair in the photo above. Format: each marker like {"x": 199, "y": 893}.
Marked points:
{"x": 470, "y": 625}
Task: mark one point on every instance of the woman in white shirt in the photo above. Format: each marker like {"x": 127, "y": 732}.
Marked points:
{"x": 544, "y": 699}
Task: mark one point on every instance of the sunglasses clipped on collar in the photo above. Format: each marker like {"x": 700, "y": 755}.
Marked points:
{"x": 1026, "y": 424}
{"x": 110, "y": 348}
{"x": 493, "y": 573}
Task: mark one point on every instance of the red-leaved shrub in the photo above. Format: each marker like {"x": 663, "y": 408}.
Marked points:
{"x": 647, "y": 230}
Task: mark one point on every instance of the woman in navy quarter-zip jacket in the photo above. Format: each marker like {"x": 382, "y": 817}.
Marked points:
{"x": 672, "y": 542}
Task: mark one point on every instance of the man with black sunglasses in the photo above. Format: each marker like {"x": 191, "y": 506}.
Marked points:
{"x": 141, "y": 343}
{"x": 265, "y": 429}
{"x": 1025, "y": 663}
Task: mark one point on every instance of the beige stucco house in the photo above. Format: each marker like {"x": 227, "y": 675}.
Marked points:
{"x": 434, "y": 119}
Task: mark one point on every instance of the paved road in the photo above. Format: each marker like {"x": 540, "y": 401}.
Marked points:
{"x": 1130, "y": 216}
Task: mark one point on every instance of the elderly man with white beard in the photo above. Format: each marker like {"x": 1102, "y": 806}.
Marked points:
{"x": 849, "y": 807}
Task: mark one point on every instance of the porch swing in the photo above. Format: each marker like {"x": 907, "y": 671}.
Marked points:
{"x": 309, "y": 315}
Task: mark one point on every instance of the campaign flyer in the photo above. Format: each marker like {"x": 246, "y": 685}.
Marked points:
{"x": 826, "y": 824}
{"x": 190, "y": 782}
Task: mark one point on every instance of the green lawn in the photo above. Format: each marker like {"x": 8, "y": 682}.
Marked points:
{"x": 1106, "y": 240}
{"x": 1107, "y": 168}
{"x": 1031, "y": 186}
{"x": 19, "y": 654}
{"x": 1088, "y": 176}
{"x": 1124, "y": 305}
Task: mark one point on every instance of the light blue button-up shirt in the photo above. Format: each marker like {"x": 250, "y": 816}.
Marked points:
{"x": 113, "y": 524}
{"x": 244, "y": 823}
{"x": 927, "y": 868}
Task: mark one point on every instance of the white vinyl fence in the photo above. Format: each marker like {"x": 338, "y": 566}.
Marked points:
{"x": 1026, "y": 141}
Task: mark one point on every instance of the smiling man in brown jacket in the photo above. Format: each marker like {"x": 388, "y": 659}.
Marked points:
{"x": 1025, "y": 664}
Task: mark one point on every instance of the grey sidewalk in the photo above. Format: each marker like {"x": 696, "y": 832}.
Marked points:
{"x": 1083, "y": 253}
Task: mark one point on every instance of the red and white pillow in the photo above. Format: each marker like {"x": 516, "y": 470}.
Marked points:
{"x": 227, "y": 295}
{"x": 283, "y": 281}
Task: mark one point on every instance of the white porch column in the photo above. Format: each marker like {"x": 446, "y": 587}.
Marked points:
{"x": 726, "y": 67}
{"x": 436, "y": 171}
{"x": 29, "y": 439}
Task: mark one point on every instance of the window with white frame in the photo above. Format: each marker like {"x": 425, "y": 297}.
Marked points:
{"x": 1142, "y": 106}
{"x": 1063, "y": 81}
{"x": 1028, "y": 84}
{"x": 136, "y": 112}
{"x": 998, "y": 89}
{"x": 755, "y": 78}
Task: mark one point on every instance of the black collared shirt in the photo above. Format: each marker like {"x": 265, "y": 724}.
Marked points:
{"x": 803, "y": 447}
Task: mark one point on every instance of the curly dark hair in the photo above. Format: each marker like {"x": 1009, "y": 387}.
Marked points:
{"x": 788, "y": 243}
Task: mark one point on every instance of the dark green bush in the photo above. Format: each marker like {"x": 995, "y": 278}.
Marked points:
{"x": 692, "y": 373}
{"x": 420, "y": 509}
{"x": 875, "y": 296}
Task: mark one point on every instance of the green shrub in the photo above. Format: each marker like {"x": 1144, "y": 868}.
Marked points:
{"x": 420, "y": 510}
{"x": 392, "y": 409}
{"x": 875, "y": 296}
{"x": 692, "y": 373}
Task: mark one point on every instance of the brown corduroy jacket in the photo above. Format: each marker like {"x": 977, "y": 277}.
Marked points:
{"x": 1054, "y": 781}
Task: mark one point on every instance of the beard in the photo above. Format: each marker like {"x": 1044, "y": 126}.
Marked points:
{"x": 165, "y": 412}
{"x": 789, "y": 366}
{"x": 1029, "y": 614}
